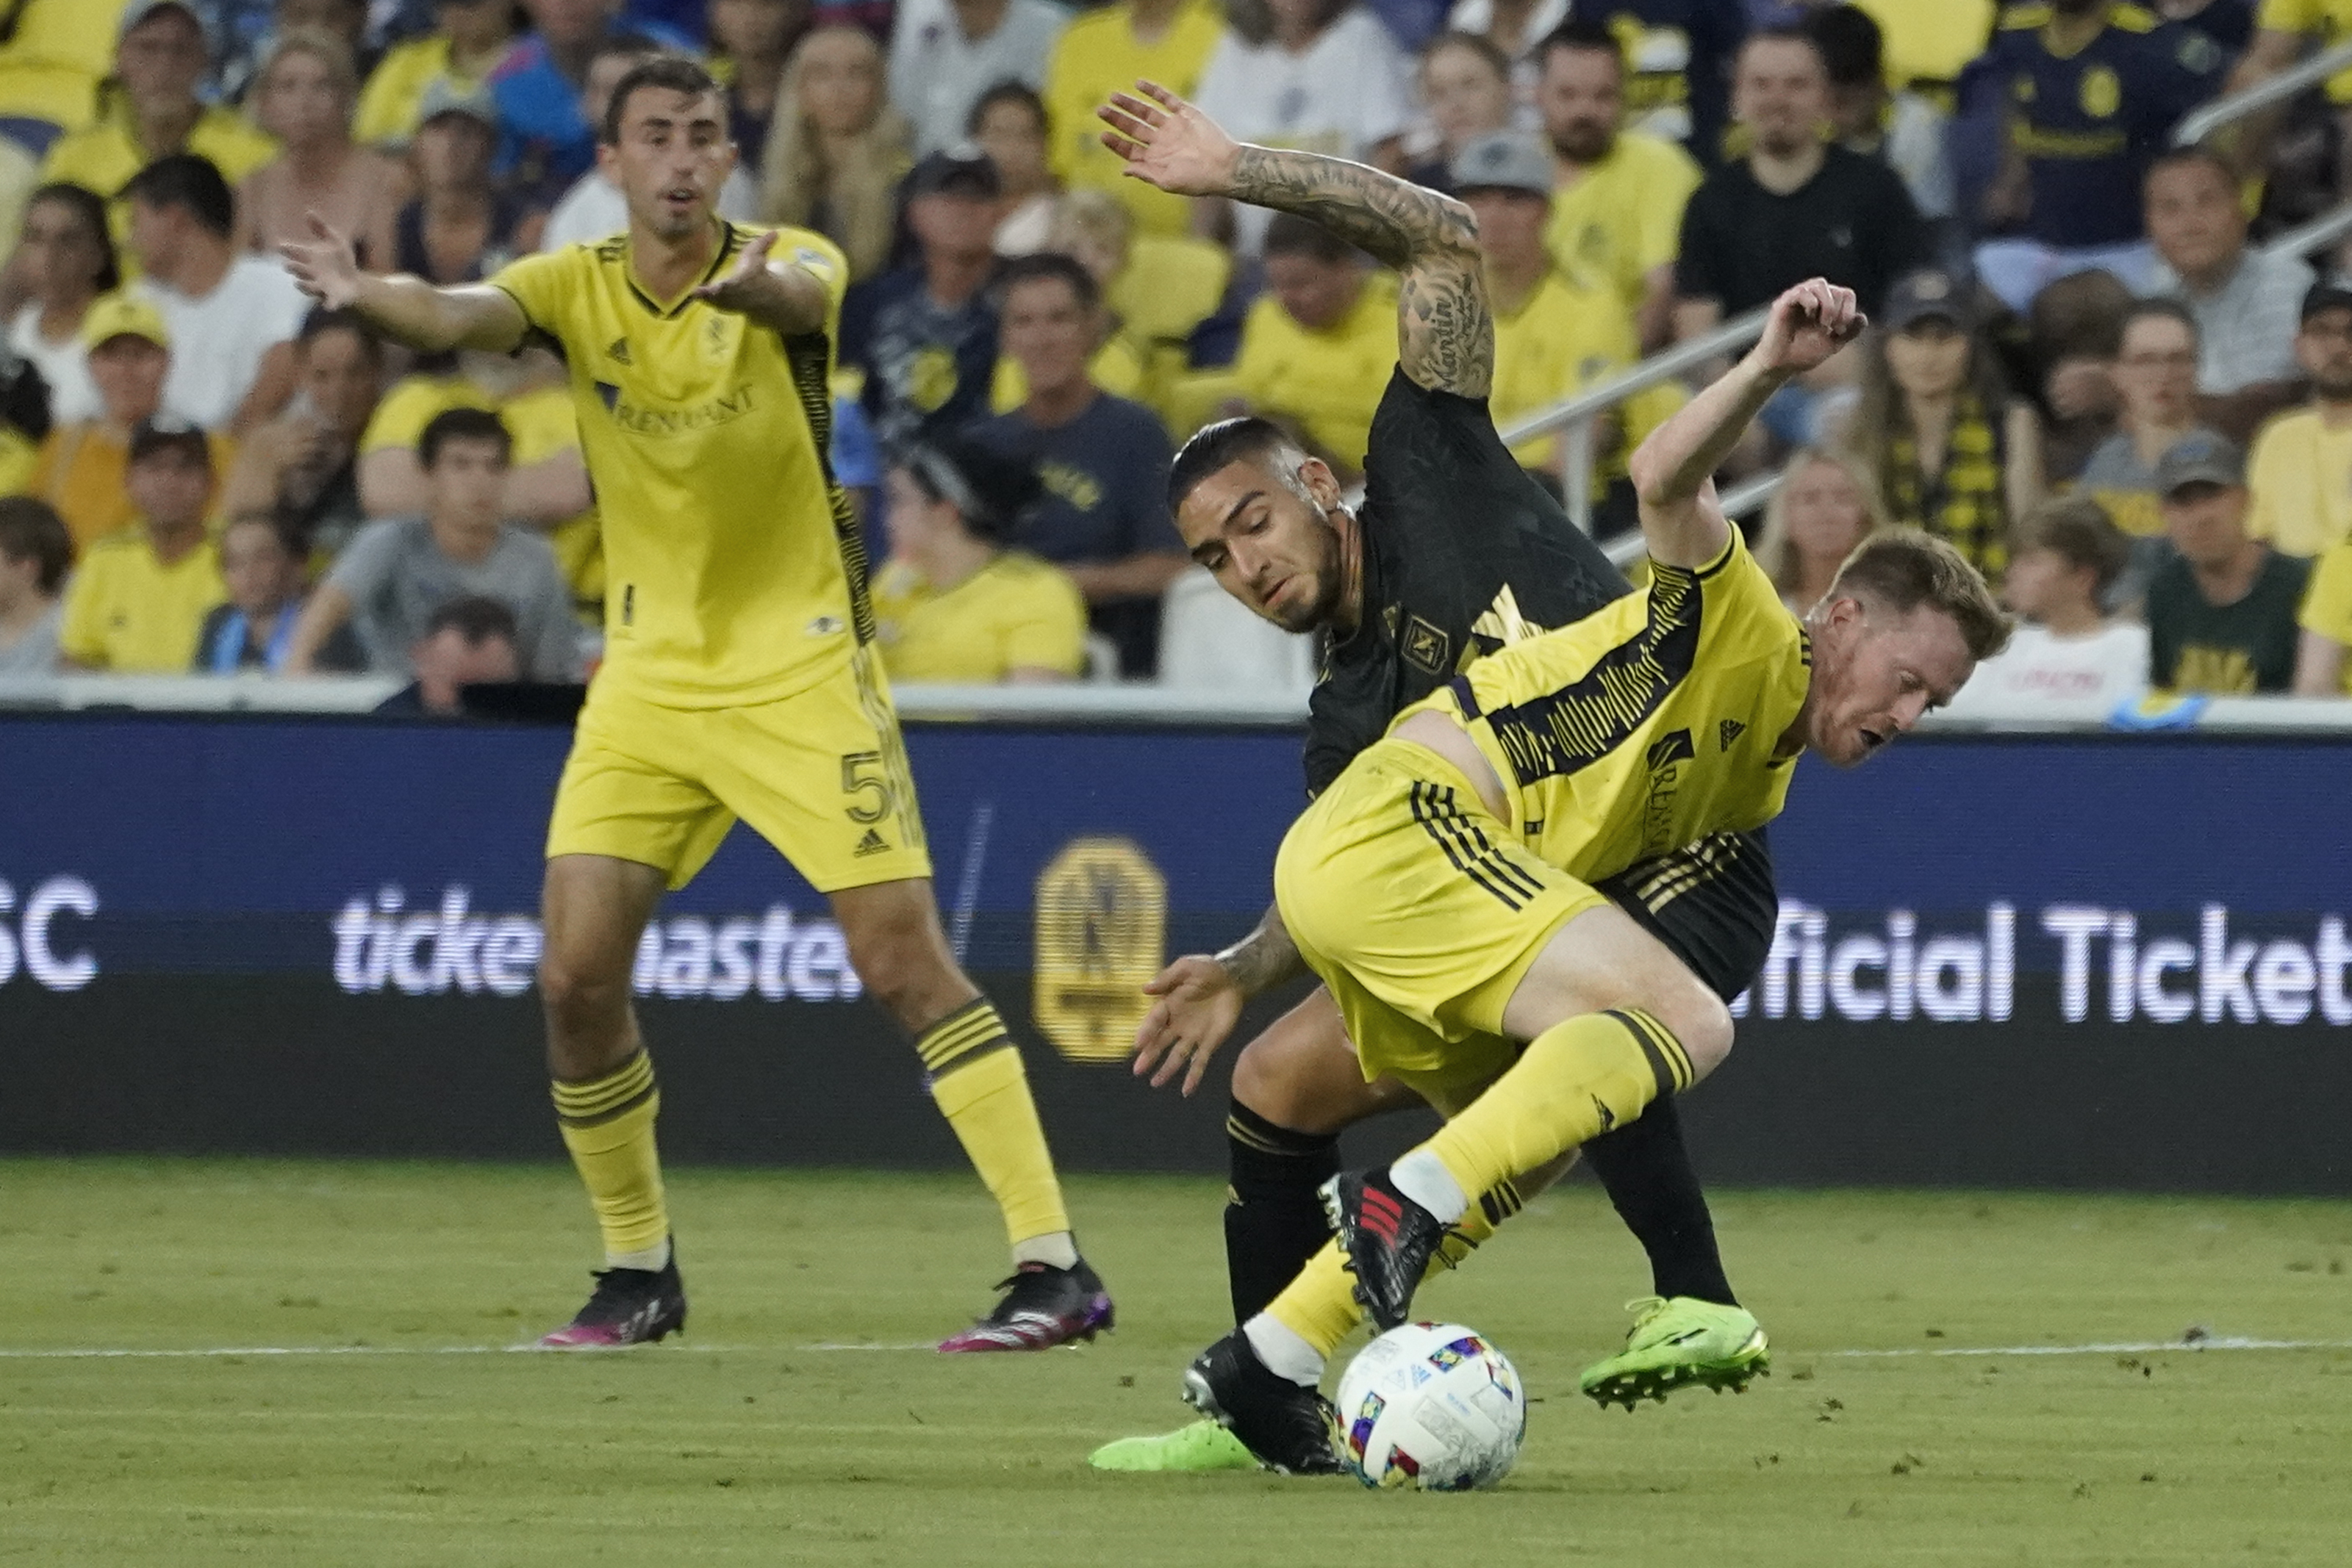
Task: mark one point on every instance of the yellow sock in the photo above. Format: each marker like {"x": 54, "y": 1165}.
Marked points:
{"x": 1477, "y": 1223}
{"x": 1575, "y": 1081}
{"x": 1319, "y": 1305}
{"x": 608, "y": 1125}
{"x": 978, "y": 1084}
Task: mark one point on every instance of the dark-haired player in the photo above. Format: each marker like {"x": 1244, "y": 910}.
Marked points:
{"x": 1455, "y": 553}
{"x": 739, "y": 679}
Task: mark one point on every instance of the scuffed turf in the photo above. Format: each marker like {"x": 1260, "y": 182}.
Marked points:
{"x": 748, "y": 1444}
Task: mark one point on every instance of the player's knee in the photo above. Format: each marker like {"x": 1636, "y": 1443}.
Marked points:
{"x": 1700, "y": 1022}
{"x": 581, "y": 998}
{"x": 1264, "y": 1082}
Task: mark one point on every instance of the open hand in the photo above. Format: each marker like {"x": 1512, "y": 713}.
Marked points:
{"x": 1167, "y": 142}
{"x": 327, "y": 269}
{"x": 1809, "y": 323}
{"x": 737, "y": 289}
{"x": 1198, "y": 1004}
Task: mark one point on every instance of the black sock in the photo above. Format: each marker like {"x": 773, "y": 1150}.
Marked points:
{"x": 1647, "y": 1174}
{"x": 1274, "y": 1212}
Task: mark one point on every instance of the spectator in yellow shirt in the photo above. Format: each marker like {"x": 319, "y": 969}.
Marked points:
{"x": 2321, "y": 669}
{"x": 470, "y": 37}
{"x": 1159, "y": 289}
{"x": 1618, "y": 196}
{"x": 2301, "y": 470}
{"x": 139, "y": 598}
{"x": 952, "y": 605}
{"x": 162, "y": 55}
{"x": 84, "y": 463}
{"x": 1317, "y": 348}
{"x": 1107, "y": 51}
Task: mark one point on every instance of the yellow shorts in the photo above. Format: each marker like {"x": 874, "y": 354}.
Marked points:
{"x": 821, "y": 774}
{"x": 1421, "y": 912}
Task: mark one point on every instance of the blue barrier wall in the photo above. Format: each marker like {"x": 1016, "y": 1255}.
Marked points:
{"x": 2112, "y": 961}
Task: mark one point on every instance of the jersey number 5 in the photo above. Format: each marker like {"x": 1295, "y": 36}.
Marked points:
{"x": 863, "y": 779}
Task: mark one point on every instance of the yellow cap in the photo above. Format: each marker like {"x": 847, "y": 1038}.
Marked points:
{"x": 123, "y": 315}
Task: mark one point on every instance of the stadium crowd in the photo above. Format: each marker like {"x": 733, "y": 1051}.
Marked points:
{"x": 2085, "y": 370}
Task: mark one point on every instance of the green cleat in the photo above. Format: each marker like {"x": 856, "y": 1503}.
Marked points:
{"x": 1681, "y": 1343}
{"x": 1203, "y": 1446}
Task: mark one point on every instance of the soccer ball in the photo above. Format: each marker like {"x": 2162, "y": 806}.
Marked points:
{"x": 1431, "y": 1405}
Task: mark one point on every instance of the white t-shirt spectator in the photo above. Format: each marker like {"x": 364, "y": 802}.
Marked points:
{"x": 937, "y": 74}
{"x": 2042, "y": 675}
{"x": 218, "y": 341}
{"x": 65, "y": 367}
{"x": 2245, "y": 328}
{"x": 1349, "y": 92}
{"x": 397, "y": 577}
{"x": 595, "y": 208}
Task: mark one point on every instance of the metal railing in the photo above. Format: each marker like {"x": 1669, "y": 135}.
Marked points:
{"x": 2305, "y": 73}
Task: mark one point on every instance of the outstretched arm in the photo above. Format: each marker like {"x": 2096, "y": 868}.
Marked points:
{"x": 1201, "y": 999}
{"x": 1673, "y": 471}
{"x": 1445, "y": 334}
{"x": 408, "y": 308}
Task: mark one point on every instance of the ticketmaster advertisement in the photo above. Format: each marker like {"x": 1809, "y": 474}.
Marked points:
{"x": 2116, "y": 962}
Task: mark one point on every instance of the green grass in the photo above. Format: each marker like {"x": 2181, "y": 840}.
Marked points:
{"x": 750, "y": 1445}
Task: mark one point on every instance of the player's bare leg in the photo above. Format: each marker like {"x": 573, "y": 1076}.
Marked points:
{"x": 901, "y": 954}
{"x": 594, "y": 908}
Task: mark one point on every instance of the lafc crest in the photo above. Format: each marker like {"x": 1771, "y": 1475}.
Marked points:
{"x": 1102, "y": 932}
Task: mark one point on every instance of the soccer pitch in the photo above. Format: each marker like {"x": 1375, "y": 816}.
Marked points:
{"x": 1961, "y": 1378}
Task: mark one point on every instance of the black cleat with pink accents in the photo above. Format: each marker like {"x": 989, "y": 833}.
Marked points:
{"x": 629, "y": 1306}
{"x": 1387, "y": 1240}
{"x": 1042, "y": 1307}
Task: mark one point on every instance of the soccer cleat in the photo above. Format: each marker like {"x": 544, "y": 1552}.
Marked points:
{"x": 1202, "y": 1447}
{"x": 1042, "y": 1307}
{"x": 629, "y": 1306}
{"x": 1387, "y": 1240}
{"x": 1682, "y": 1343}
{"x": 1288, "y": 1428}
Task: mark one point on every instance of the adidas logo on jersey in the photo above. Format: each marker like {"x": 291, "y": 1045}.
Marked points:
{"x": 619, "y": 351}
{"x": 1728, "y": 731}
{"x": 873, "y": 843}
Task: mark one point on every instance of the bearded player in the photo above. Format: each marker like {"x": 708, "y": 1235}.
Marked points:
{"x": 1456, "y": 552}
{"x": 1445, "y": 888}
{"x": 740, "y": 681}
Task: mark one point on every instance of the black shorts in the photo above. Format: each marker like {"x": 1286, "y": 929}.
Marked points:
{"x": 1713, "y": 902}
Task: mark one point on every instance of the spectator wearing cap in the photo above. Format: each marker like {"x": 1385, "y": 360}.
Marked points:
{"x": 2069, "y": 658}
{"x": 836, "y": 150}
{"x": 1682, "y": 55}
{"x": 301, "y": 467}
{"x": 140, "y": 597}
{"x": 944, "y": 53}
{"x": 1953, "y": 453}
{"x": 926, "y": 335}
{"x": 2300, "y": 471}
{"x": 1618, "y": 196}
{"x": 1899, "y": 127}
{"x": 547, "y": 136}
{"x": 468, "y": 39}
{"x": 1319, "y": 345}
{"x": 303, "y": 94}
{"x": 84, "y": 463}
{"x": 34, "y": 555}
{"x": 1109, "y": 49}
{"x": 956, "y": 605}
{"x": 2155, "y": 378}
{"x": 162, "y": 53}
{"x": 468, "y": 642}
{"x": 2080, "y": 96}
{"x": 595, "y": 208}
{"x": 231, "y": 314}
{"x": 64, "y": 261}
{"x": 262, "y": 567}
{"x": 399, "y": 570}
{"x": 1552, "y": 336}
{"x": 2245, "y": 300}
{"x": 1102, "y": 462}
{"x": 2222, "y": 609}
{"x": 460, "y": 227}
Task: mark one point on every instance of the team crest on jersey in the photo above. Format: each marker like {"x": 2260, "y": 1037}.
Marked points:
{"x": 1728, "y": 731}
{"x": 2101, "y": 94}
{"x": 1426, "y": 647}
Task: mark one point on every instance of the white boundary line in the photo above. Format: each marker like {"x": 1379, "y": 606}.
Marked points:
{"x": 224, "y": 1352}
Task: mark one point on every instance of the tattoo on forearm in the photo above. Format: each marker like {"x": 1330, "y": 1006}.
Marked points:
{"x": 1446, "y": 334}
{"x": 1264, "y": 959}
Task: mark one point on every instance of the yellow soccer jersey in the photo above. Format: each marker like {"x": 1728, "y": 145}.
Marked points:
{"x": 127, "y": 612}
{"x": 1097, "y": 55}
{"x": 1330, "y": 381}
{"x": 1648, "y": 725}
{"x": 733, "y": 570}
{"x": 1017, "y": 612}
{"x": 2327, "y": 602}
{"x": 1624, "y": 216}
{"x": 2300, "y": 476}
{"x": 2327, "y": 22}
{"x": 105, "y": 156}
{"x": 1562, "y": 339}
